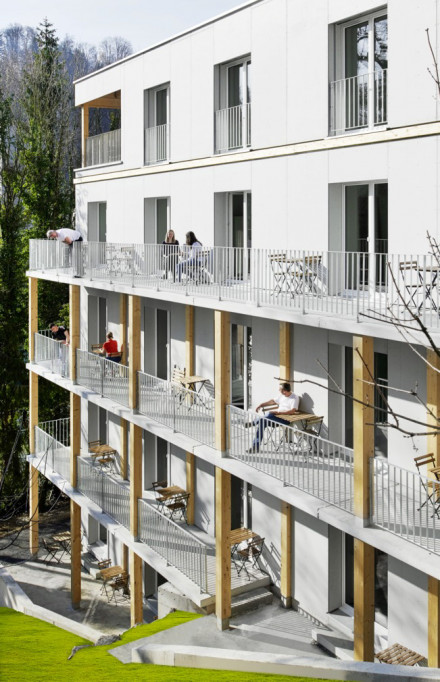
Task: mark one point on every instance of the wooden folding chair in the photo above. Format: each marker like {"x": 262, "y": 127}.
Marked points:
{"x": 177, "y": 505}
{"x": 52, "y": 549}
{"x": 249, "y": 554}
{"x": 432, "y": 487}
{"x": 118, "y": 586}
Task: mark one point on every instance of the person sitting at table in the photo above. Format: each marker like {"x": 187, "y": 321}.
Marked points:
{"x": 288, "y": 403}
{"x": 192, "y": 251}
{"x": 170, "y": 253}
{"x": 110, "y": 347}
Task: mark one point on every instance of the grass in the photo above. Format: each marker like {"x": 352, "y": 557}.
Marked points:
{"x": 31, "y": 649}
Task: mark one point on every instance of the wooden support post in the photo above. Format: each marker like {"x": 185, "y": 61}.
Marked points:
{"x": 124, "y": 449}
{"x": 222, "y": 548}
{"x": 363, "y": 422}
{"x": 222, "y": 360}
{"x": 125, "y": 559}
{"x": 74, "y": 330}
{"x": 134, "y": 343}
{"x": 363, "y": 450}
{"x": 135, "y": 476}
{"x": 286, "y": 553}
{"x": 285, "y": 368}
{"x": 75, "y": 400}
{"x": 123, "y": 327}
{"x": 363, "y": 601}
{"x": 433, "y": 622}
{"x": 190, "y": 486}
{"x": 433, "y": 402}
{"x": 189, "y": 340}
{"x": 33, "y": 419}
{"x": 75, "y": 556}
{"x": 85, "y": 132}
{"x": 136, "y": 610}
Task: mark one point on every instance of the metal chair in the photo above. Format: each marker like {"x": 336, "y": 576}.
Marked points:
{"x": 52, "y": 549}
{"x": 177, "y": 505}
{"x": 431, "y": 487}
{"x": 118, "y": 586}
{"x": 249, "y": 554}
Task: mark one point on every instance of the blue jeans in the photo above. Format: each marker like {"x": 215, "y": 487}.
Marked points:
{"x": 183, "y": 267}
{"x": 262, "y": 424}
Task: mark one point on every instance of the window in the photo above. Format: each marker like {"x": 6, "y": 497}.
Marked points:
{"x": 157, "y": 124}
{"x": 156, "y": 219}
{"x": 358, "y": 95}
{"x": 232, "y": 123}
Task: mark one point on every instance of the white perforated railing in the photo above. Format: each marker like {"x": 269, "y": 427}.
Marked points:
{"x": 173, "y": 405}
{"x": 175, "y": 544}
{"x": 103, "y": 148}
{"x": 313, "y": 464}
{"x": 406, "y": 504}
{"x": 357, "y": 285}
{"x": 103, "y": 376}
{"x": 52, "y": 354}
{"x": 52, "y": 440}
{"x": 232, "y": 128}
{"x": 111, "y": 495}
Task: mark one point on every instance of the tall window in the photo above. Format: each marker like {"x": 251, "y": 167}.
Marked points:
{"x": 157, "y": 124}
{"x": 156, "y": 219}
{"x": 358, "y": 95}
{"x": 232, "y": 122}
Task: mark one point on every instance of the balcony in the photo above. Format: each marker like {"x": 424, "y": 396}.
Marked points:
{"x": 186, "y": 548}
{"x": 104, "y": 148}
{"x": 108, "y": 378}
{"x": 357, "y": 286}
{"x": 232, "y": 128}
{"x": 358, "y": 102}
{"x": 52, "y": 354}
{"x": 157, "y": 144}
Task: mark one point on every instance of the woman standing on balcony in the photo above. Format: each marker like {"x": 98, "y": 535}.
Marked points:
{"x": 170, "y": 253}
{"x": 192, "y": 250}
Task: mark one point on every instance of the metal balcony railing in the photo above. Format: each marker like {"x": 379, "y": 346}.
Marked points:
{"x": 157, "y": 144}
{"x": 183, "y": 410}
{"x": 111, "y": 495}
{"x": 358, "y": 102}
{"x": 406, "y": 504}
{"x": 55, "y": 355}
{"x": 104, "y": 148}
{"x": 308, "y": 462}
{"x": 175, "y": 544}
{"x": 354, "y": 285}
{"x": 103, "y": 376}
{"x": 232, "y": 128}
{"x": 52, "y": 442}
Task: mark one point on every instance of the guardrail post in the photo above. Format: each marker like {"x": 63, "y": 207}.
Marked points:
{"x": 363, "y": 450}
{"x": 222, "y": 548}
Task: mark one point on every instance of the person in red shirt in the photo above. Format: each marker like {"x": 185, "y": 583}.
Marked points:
{"x": 110, "y": 347}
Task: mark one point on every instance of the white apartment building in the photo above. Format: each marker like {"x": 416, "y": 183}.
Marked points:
{"x": 299, "y": 141}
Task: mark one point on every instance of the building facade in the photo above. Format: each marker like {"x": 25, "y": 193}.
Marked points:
{"x": 299, "y": 142}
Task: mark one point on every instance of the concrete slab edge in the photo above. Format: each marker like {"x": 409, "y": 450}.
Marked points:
{"x": 12, "y": 596}
{"x": 281, "y": 664}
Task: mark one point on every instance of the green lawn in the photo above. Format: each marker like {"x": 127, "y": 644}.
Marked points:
{"x": 33, "y": 650}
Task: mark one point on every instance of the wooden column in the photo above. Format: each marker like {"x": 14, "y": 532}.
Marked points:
{"x": 75, "y": 448}
{"x": 135, "y": 476}
{"x": 189, "y": 340}
{"x": 85, "y": 131}
{"x": 222, "y": 548}
{"x": 433, "y": 402}
{"x": 33, "y": 419}
{"x": 285, "y": 368}
{"x": 136, "y": 611}
{"x": 75, "y": 556}
{"x": 123, "y": 327}
{"x": 363, "y": 447}
{"x": 125, "y": 559}
{"x": 433, "y": 622}
{"x": 222, "y": 359}
{"x": 286, "y": 555}
{"x": 286, "y": 509}
{"x": 363, "y": 601}
{"x": 134, "y": 344}
{"x": 123, "y": 348}
{"x": 190, "y": 486}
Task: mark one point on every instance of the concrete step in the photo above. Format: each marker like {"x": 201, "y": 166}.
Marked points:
{"x": 247, "y": 601}
{"x": 341, "y": 622}
{"x": 338, "y": 644}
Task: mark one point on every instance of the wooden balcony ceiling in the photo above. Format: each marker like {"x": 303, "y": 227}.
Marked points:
{"x": 111, "y": 101}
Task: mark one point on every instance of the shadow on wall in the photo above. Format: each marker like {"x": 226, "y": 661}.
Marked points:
{"x": 271, "y": 563}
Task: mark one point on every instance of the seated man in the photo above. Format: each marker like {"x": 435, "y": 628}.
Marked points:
{"x": 288, "y": 403}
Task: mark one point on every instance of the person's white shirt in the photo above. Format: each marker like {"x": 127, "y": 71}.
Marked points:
{"x": 287, "y": 402}
{"x": 64, "y": 232}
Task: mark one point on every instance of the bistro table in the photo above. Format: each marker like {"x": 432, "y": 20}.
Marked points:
{"x": 63, "y": 540}
{"x": 239, "y": 535}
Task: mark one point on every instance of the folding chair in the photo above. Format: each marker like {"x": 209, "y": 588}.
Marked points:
{"x": 52, "y": 548}
{"x": 307, "y": 438}
{"x": 432, "y": 487}
{"x": 177, "y": 505}
{"x": 249, "y": 554}
{"x": 158, "y": 487}
{"x": 118, "y": 585}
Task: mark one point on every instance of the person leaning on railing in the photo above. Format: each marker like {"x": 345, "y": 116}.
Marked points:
{"x": 59, "y": 333}
{"x": 65, "y": 235}
{"x": 110, "y": 348}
